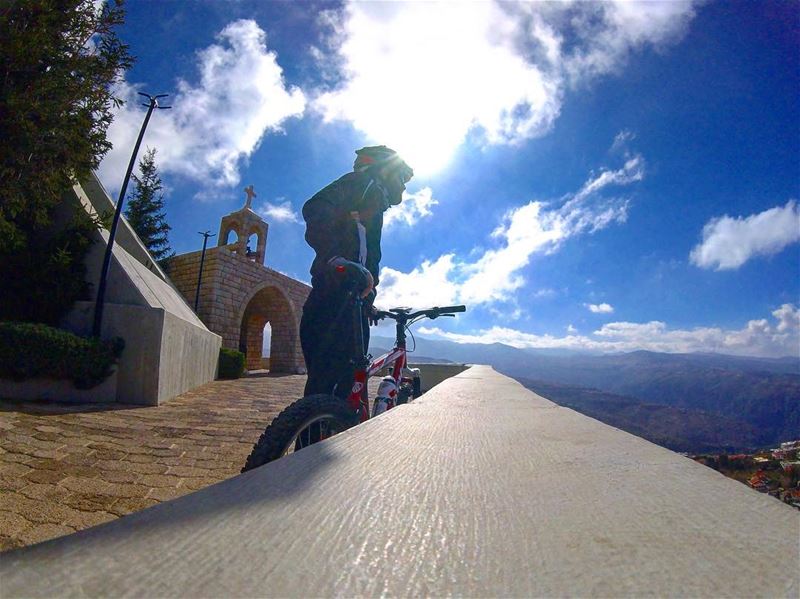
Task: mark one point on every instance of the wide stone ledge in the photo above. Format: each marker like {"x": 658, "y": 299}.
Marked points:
{"x": 479, "y": 488}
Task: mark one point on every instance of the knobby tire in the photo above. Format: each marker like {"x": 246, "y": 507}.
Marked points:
{"x": 275, "y": 439}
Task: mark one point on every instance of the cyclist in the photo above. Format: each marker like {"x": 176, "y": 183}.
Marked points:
{"x": 343, "y": 227}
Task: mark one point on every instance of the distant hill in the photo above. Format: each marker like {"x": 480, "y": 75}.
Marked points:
{"x": 761, "y": 392}
{"x": 679, "y": 429}
{"x": 379, "y": 350}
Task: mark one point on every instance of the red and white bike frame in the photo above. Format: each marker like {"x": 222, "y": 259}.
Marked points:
{"x": 359, "y": 395}
{"x": 358, "y": 399}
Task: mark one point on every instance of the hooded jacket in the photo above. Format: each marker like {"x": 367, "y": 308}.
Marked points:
{"x": 331, "y": 230}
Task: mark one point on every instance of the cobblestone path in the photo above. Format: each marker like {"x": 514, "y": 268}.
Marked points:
{"x": 66, "y": 467}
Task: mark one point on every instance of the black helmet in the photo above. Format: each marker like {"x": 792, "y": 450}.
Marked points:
{"x": 372, "y": 156}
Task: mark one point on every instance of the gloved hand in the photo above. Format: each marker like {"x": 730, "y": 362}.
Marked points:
{"x": 355, "y": 272}
{"x": 370, "y": 309}
{"x": 372, "y": 316}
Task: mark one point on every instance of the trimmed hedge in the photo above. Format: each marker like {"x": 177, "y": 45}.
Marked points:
{"x": 31, "y": 350}
{"x": 231, "y": 364}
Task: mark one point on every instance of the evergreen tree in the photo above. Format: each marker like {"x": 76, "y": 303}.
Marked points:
{"x": 59, "y": 60}
{"x": 145, "y": 211}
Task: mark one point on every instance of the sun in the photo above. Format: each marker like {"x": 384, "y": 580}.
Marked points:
{"x": 426, "y": 142}
{"x": 422, "y": 148}
{"x": 425, "y": 156}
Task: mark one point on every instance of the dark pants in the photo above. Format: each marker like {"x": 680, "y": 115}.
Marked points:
{"x": 328, "y": 337}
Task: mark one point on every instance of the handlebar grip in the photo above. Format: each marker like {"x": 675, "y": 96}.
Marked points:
{"x": 452, "y": 309}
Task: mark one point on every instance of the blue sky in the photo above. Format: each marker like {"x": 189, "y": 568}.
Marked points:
{"x": 605, "y": 177}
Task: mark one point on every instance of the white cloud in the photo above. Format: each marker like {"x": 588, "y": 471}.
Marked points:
{"x": 730, "y": 242}
{"x": 756, "y": 338}
{"x": 633, "y": 170}
{"x": 571, "y": 329}
{"x": 419, "y": 76}
{"x": 608, "y": 32}
{"x": 508, "y": 311}
{"x": 282, "y": 212}
{"x": 494, "y": 275}
{"x": 426, "y": 285}
{"x": 413, "y": 207}
{"x": 218, "y": 123}
{"x": 545, "y": 293}
{"x": 622, "y": 139}
{"x": 788, "y": 318}
{"x": 600, "y": 308}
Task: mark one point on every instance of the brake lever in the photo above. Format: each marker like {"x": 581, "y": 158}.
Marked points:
{"x": 450, "y": 315}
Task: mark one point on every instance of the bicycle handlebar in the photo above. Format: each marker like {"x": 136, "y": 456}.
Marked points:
{"x": 402, "y": 315}
{"x": 452, "y": 309}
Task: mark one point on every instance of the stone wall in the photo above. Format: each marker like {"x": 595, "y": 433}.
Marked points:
{"x": 238, "y": 297}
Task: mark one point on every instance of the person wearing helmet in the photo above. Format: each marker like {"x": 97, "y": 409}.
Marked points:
{"x": 343, "y": 227}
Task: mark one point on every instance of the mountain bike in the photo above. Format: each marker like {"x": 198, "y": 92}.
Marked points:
{"x": 315, "y": 418}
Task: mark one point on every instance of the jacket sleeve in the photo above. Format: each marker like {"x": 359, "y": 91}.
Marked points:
{"x": 374, "y": 246}
{"x": 323, "y": 218}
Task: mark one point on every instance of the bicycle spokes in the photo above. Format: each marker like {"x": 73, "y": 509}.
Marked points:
{"x": 317, "y": 430}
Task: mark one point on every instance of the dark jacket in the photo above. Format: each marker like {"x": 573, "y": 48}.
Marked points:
{"x": 331, "y": 230}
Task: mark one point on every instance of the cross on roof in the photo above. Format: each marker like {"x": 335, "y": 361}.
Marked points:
{"x": 250, "y": 195}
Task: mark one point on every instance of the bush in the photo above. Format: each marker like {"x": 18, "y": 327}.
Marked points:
{"x": 29, "y": 350}
{"x": 43, "y": 282}
{"x": 231, "y": 363}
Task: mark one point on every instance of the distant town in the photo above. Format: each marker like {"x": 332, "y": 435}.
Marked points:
{"x": 773, "y": 471}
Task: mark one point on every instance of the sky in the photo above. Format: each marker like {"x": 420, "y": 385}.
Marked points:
{"x": 594, "y": 177}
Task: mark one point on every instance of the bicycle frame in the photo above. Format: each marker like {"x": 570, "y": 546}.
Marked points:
{"x": 358, "y": 399}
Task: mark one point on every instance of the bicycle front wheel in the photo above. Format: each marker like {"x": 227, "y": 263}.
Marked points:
{"x": 307, "y": 421}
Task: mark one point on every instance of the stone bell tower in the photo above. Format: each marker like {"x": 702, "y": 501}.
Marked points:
{"x": 245, "y": 222}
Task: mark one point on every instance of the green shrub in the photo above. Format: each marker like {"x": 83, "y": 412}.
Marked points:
{"x": 42, "y": 282}
{"x": 231, "y": 363}
{"x": 29, "y": 350}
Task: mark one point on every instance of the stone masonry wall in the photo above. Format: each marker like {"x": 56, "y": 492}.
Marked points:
{"x": 237, "y": 296}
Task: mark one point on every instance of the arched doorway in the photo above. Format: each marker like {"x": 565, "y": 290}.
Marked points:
{"x": 270, "y": 306}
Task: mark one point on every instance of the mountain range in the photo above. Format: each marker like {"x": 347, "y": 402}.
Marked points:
{"x": 688, "y": 402}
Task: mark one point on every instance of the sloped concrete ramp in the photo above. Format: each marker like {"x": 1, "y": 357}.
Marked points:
{"x": 480, "y": 488}
{"x": 168, "y": 349}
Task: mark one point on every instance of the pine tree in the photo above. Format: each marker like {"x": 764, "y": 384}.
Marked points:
{"x": 59, "y": 60}
{"x": 145, "y": 211}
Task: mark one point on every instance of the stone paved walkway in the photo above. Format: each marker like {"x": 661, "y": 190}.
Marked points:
{"x": 65, "y": 467}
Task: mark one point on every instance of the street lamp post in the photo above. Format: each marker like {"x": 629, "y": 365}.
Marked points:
{"x": 101, "y": 286}
{"x": 205, "y": 235}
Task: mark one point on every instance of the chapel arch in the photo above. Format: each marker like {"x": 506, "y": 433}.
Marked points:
{"x": 253, "y": 244}
{"x": 230, "y": 236}
{"x": 269, "y": 304}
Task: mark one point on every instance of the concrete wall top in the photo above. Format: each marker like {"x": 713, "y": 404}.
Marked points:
{"x": 98, "y": 197}
{"x": 134, "y": 277}
{"x": 154, "y": 291}
{"x": 479, "y": 488}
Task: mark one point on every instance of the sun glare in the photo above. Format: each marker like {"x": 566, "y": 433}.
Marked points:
{"x": 421, "y": 147}
{"x": 421, "y": 79}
